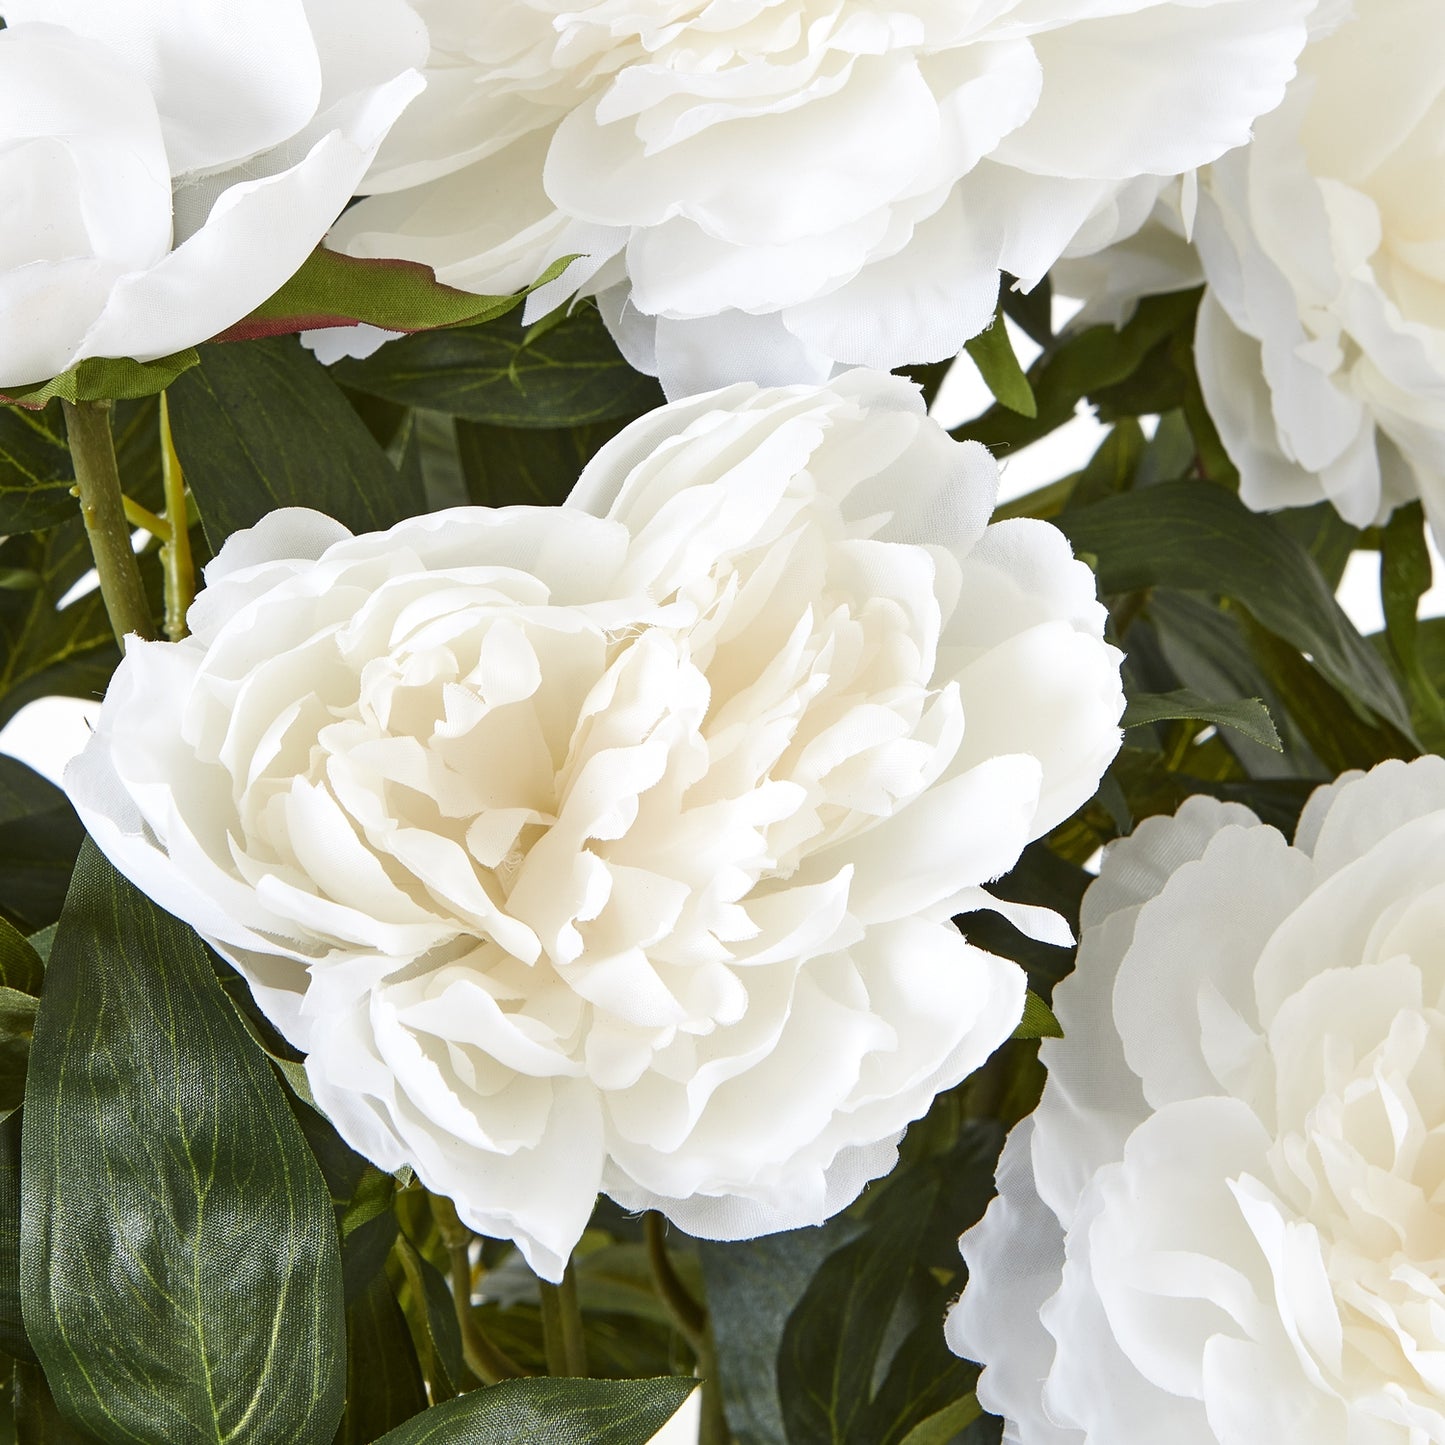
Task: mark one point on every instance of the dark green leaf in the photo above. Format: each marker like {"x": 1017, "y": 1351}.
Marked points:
{"x": 504, "y": 374}
{"x": 993, "y": 354}
{"x": 35, "y": 471}
{"x": 550, "y": 1412}
{"x": 924, "y": 1377}
{"x": 383, "y": 1381}
{"x": 1248, "y": 715}
{"x": 1339, "y": 736}
{"x": 929, "y": 376}
{"x": 431, "y": 1313}
{"x": 179, "y": 1261}
{"x": 39, "y": 838}
{"x": 536, "y": 466}
{"x": 1200, "y": 537}
{"x": 1325, "y": 535}
{"x": 1168, "y": 454}
{"x": 13, "y": 1339}
{"x": 752, "y": 1288}
{"x": 37, "y": 1420}
{"x": 103, "y": 378}
{"x": 1044, "y": 879}
{"x": 863, "y": 1358}
{"x": 45, "y": 651}
{"x": 1205, "y": 647}
{"x": 17, "y": 1024}
{"x": 1038, "y": 1021}
{"x": 261, "y": 425}
{"x": 1032, "y": 310}
{"x": 1405, "y": 577}
{"x": 20, "y": 965}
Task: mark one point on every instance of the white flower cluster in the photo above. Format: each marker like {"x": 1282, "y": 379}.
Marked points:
{"x": 765, "y": 189}
{"x": 616, "y": 845}
{"x": 166, "y": 167}
{"x": 1321, "y": 339}
{"x": 1223, "y": 1224}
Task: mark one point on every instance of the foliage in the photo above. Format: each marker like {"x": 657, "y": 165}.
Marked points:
{"x": 187, "y": 1249}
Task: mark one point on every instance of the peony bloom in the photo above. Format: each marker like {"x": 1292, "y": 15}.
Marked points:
{"x": 614, "y": 846}
{"x": 1224, "y": 1223}
{"x": 1321, "y": 339}
{"x": 167, "y": 166}
{"x": 765, "y": 190}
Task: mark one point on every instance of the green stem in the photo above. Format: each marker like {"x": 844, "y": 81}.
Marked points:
{"x": 691, "y": 1320}
{"x": 486, "y": 1360}
{"x": 713, "y": 1426}
{"x": 562, "y": 1338}
{"x": 180, "y": 570}
{"x": 689, "y": 1316}
{"x": 102, "y": 506}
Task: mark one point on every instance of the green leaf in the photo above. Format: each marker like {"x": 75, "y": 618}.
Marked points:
{"x": 560, "y": 374}
{"x": 45, "y": 651}
{"x": 1205, "y": 649}
{"x": 35, "y": 471}
{"x": 537, "y": 466}
{"x": 1248, "y": 715}
{"x": 262, "y": 425}
{"x": 752, "y": 1287}
{"x": 550, "y": 1412}
{"x": 20, "y": 965}
{"x": 13, "y": 1339}
{"x": 1038, "y": 1021}
{"x": 993, "y": 354}
{"x": 863, "y": 1358}
{"x": 179, "y": 1261}
{"x": 17, "y": 1025}
{"x": 941, "y": 1428}
{"x": 1032, "y": 310}
{"x": 106, "y": 378}
{"x": 1200, "y": 537}
{"x": 383, "y": 1381}
{"x": 37, "y": 1420}
{"x": 39, "y": 838}
{"x": 331, "y": 289}
{"x": 1405, "y": 576}
{"x": 431, "y": 1314}
{"x": 1336, "y": 732}
{"x": 1076, "y": 365}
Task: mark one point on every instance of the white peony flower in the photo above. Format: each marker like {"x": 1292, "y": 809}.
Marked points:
{"x": 1224, "y": 1225}
{"x": 167, "y": 166}
{"x": 615, "y": 845}
{"x": 766, "y": 189}
{"x": 1321, "y": 337}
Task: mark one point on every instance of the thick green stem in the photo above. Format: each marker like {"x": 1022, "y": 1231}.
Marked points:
{"x": 562, "y": 1337}
{"x": 486, "y": 1360}
{"x": 102, "y": 505}
{"x": 689, "y": 1316}
{"x": 176, "y": 549}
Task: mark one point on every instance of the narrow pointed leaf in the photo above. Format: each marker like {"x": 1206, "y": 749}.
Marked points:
{"x": 1248, "y": 715}
{"x": 993, "y": 353}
